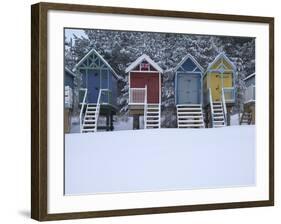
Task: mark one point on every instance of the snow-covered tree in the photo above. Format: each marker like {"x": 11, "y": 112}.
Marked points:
{"x": 120, "y": 48}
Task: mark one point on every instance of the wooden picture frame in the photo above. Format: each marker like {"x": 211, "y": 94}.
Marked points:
{"x": 39, "y": 108}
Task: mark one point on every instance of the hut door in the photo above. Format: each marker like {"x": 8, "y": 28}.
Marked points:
{"x": 152, "y": 82}
{"x": 216, "y": 87}
{"x": 188, "y": 89}
{"x": 193, "y": 88}
{"x": 93, "y": 84}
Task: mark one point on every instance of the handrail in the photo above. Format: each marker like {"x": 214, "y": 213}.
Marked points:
{"x": 159, "y": 115}
{"x": 211, "y": 105}
{"x": 224, "y": 104}
{"x": 145, "y": 106}
{"x": 98, "y": 106}
{"x": 82, "y": 107}
{"x": 97, "y": 110}
{"x": 229, "y": 95}
{"x": 131, "y": 95}
{"x": 100, "y": 95}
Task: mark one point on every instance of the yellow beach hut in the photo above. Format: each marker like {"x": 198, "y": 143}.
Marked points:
{"x": 219, "y": 92}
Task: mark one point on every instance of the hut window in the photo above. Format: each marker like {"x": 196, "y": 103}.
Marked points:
{"x": 145, "y": 66}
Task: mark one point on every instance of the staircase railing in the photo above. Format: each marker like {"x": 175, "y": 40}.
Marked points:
{"x": 224, "y": 105}
{"x": 145, "y": 107}
{"x": 137, "y": 95}
{"x": 105, "y": 96}
{"x": 82, "y": 108}
{"x": 159, "y": 115}
{"x": 99, "y": 102}
{"x": 229, "y": 94}
{"x": 211, "y": 106}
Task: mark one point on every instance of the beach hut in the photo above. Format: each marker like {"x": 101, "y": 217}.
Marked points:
{"x": 219, "y": 92}
{"x": 248, "y": 115}
{"x": 69, "y": 85}
{"x": 98, "y": 93}
{"x": 145, "y": 91}
{"x": 188, "y": 93}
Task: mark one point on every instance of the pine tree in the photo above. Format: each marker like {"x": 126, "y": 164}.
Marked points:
{"x": 120, "y": 48}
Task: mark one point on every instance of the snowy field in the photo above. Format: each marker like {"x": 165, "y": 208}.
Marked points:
{"x": 159, "y": 159}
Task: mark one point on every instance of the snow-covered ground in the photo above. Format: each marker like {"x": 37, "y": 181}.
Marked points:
{"x": 159, "y": 159}
{"x": 121, "y": 124}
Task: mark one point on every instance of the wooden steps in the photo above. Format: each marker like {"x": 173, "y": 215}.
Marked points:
{"x": 218, "y": 119}
{"x": 246, "y": 118}
{"x": 90, "y": 118}
{"x": 190, "y": 116}
{"x": 152, "y": 116}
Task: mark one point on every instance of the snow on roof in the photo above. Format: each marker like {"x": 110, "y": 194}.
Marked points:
{"x": 192, "y": 59}
{"x": 104, "y": 61}
{"x": 69, "y": 71}
{"x": 222, "y": 54}
{"x": 141, "y": 59}
{"x": 249, "y": 76}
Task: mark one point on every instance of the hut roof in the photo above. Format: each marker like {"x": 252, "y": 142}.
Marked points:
{"x": 93, "y": 51}
{"x": 221, "y": 55}
{"x": 140, "y": 59}
{"x": 249, "y": 76}
{"x": 192, "y": 59}
{"x": 69, "y": 71}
